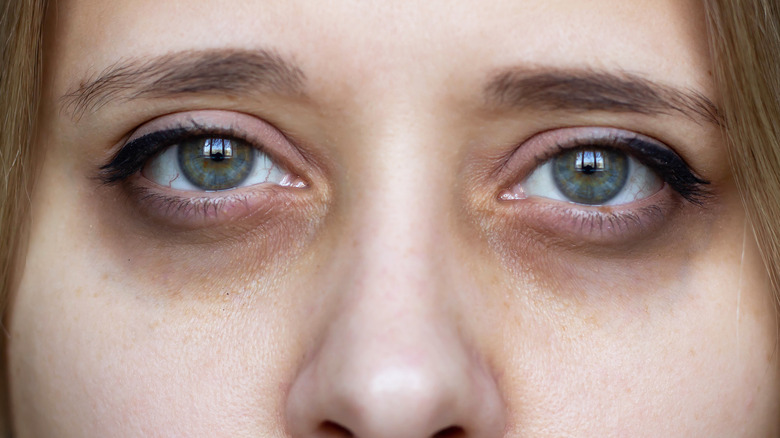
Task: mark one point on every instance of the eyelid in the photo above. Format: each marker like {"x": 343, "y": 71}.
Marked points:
{"x": 660, "y": 158}
{"x": 169, "y": 129}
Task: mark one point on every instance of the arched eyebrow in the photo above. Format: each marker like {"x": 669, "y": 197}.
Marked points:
{"x": 207, "y": 71}
{"x": 583, "y": 90}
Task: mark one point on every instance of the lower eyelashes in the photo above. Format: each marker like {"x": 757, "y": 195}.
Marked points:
{"x": 587, "y": 228}
{"x": 183, "y": 210}
{"x": 596, "y": 186}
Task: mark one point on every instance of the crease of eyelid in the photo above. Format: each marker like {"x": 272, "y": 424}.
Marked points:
{"x": 585, "y": 90}
{"x": 227, "y": 71}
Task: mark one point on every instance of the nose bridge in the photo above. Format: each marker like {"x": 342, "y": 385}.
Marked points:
{"x": 401, "y": 205}
{"x": 392, "y": 360}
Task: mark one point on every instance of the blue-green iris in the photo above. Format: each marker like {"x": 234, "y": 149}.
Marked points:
{"x": 215, "y": 163}
{"x": 590, "y": 175}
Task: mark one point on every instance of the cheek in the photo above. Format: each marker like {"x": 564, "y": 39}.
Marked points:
{"x": 695, "y": 357}
{"x": 92, "y": 358}
{"x": 95, "y": 351}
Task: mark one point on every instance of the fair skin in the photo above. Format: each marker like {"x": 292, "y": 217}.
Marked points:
{"x": 405, "y": 280}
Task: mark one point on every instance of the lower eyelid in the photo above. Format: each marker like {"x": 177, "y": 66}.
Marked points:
{"x": 579, "y": 226}
{"x": 181, "y": 210}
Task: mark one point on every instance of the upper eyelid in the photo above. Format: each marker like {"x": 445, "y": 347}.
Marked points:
{"x": 182, "y": 126}
{"x": 545, "y": 145}
{"x": 241, "y": 125}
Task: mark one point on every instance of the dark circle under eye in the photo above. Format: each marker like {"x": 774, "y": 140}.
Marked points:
{"x": 215, "y": 163}
{"x": 590, "y": 175}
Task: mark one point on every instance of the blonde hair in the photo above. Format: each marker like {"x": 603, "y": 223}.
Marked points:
{"x": 745, "y": 42}
{"x": 20, "y": 57}
{"x": 21, "y": 23}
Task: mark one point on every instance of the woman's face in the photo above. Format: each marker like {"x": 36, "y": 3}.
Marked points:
{"x": 387, "y": 219}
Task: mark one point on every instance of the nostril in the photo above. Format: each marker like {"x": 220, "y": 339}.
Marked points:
{"x": 450, "y": 432}
{"x": 334, "y": 430}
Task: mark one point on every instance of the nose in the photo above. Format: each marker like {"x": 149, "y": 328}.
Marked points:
{"x": 394, "y": 359}
{"x": 394, "y": 375}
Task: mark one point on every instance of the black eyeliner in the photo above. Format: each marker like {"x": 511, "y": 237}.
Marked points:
{"x": 671, "y": 168}
{"x": 661, "y": 159}
{"x": 132, "y": 157}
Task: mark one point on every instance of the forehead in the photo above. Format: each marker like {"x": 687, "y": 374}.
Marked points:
{"x": 388, "y": 44}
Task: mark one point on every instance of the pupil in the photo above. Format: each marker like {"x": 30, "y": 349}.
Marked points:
{"x": 217, "y": 156}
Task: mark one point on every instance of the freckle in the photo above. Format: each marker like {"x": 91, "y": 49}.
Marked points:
{"x": 692, "y": 352}
{"x": 594, "y": 321}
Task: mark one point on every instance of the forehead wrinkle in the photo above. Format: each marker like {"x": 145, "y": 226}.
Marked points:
{"x": 585, "y": 90}
{"x": 187, "y": 72}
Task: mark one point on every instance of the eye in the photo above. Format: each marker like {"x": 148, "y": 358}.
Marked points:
{"x": 608, "y": 187}
{"x": 592, "y": 176}
{"x": 599, "y": 166}
{"x": 206, "y": 151}
{"x": 198, "y": 169}
{"x": 215, "y": 163}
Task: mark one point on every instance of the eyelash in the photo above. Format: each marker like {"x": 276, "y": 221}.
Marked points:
{"x": 133, "y": 156}
{"x": 662, "y": 160}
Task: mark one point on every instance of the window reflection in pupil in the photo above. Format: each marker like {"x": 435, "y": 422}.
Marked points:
{"x": 217, "y": 149}
{"x": 589, "y": 162}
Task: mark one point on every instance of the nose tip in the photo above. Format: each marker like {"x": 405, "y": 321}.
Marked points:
{"x": 398, "y": 400}
{"x": 401, "y": 382}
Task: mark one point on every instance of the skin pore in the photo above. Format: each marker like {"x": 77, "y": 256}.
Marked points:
{"x": 401, "y": 274}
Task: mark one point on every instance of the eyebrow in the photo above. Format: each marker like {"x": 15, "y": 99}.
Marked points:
{"x": 208, "y": 71}
{"x": 582, "y": 90}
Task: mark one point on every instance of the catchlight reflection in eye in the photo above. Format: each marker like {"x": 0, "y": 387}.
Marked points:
{"x": 592, "y": 176}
